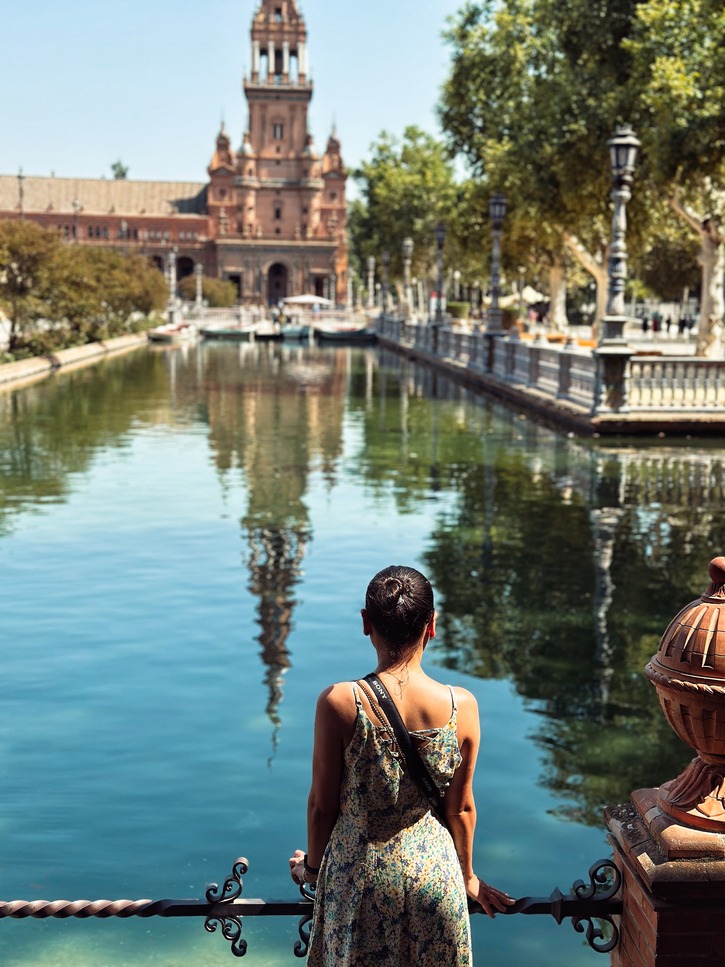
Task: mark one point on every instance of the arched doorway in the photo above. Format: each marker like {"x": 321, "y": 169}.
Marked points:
{"x": 184, "y": 266}
{"x": 277, "y": 283}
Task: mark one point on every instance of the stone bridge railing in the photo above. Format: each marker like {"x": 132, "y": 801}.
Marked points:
{"x": 608, "y": 384}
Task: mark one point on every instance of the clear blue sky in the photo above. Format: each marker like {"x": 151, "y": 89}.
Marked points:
{"x": 88, "y": 82}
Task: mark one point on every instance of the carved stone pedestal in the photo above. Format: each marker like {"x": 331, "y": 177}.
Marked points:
{"x": 673, "y": 888}
{"x": 670, "y": 844}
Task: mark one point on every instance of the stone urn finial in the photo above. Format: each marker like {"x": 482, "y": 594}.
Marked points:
{"x": 688, "y": 672}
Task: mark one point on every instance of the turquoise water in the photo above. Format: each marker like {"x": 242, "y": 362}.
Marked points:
{"x": 185, "y": 538}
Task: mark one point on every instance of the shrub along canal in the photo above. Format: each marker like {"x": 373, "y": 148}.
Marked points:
{"x": 186, "y": 536}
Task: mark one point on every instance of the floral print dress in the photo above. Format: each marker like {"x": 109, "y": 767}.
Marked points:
{"x": 390, "y": 892}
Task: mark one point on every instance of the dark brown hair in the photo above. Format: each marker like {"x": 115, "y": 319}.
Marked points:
{"x": 399, "y": 603}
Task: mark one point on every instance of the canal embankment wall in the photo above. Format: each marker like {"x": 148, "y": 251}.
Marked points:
{"x": 28, "y": 370}
{"x": 613, "y": 390}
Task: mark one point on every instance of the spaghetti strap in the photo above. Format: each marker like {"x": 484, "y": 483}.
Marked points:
{"x": 357, "y": 695}
{"x": 453, "y": 698}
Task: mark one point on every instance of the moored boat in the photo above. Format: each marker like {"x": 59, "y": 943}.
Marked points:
{"x": 293, "y": 331}
{"x": 171, "y": 332}
{"x": 267, "y": 329}
{"x": 229, "y": 333}
{"x": 340, "y": 332}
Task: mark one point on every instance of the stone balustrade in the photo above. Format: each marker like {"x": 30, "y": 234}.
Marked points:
{"x": 608, "y": 388}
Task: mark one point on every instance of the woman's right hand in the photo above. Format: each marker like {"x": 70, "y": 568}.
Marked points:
{"x": 297, "y": 866}
{"x": 492, "y": 901}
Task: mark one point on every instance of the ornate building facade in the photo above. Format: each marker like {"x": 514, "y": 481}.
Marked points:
{"x": 271, "y": 217}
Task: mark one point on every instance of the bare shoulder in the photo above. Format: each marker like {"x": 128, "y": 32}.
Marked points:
{"x": 465, "y": 700}
{"x": 337, "y": 701}
{"x": 469, "y": 726}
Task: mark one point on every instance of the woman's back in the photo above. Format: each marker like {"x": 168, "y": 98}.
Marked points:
{"x": 392, "y": 878}
{"x": 390, "y": 889}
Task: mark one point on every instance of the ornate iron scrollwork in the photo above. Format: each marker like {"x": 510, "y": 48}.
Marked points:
{"x": 232, "y": 885}
{"x": 304, "y": 927}
{"x": 599, "y": 873}
{"x": 231, "y": 926}
{"x": 231, "y": 931}
{"x": 588, "y": 902}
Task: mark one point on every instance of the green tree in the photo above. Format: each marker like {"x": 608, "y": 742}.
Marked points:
{"x": 119, "y": 170}
{"x": 57, "y": 295}
{"x": 678, "y": 51}
{"x": 30, "y": 267}
{"x": 406, "y": 186}
{"x": 668, "y": 267}
{"x": 218, "y": 293}
{"x": 535, "y": 89}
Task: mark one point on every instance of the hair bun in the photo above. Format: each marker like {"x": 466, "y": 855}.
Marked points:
{"x": 399, "y": 602}
{"x": 394, "y": 588}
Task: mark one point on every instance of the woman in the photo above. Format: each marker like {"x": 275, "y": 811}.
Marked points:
{"x": 391, "y": 880}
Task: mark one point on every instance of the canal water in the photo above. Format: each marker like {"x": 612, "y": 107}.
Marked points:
{"x": 186, "y": 536}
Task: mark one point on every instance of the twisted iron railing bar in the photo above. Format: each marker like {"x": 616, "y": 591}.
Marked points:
{"x": 224, "y": 908}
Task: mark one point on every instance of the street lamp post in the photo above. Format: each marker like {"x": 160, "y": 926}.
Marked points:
{"x": 612, "y": 353}
{"x": 407, "y": 258}
{"x": 497, "y": 211}
{"x": 21, "y": 195}
{"x": 199, "y": 273}
{"x": 371, "y": 281}
{"x": 76, "y": 213}
{"x": 522, "y": 311}
{"x": 440, "y": 242}
{"x": 172, "y": 285}
{"x": 384, "y": 306}
{"x": 623, "y": 147}
{"x": 457, "y": 285}
{"x": 440, "y": 236}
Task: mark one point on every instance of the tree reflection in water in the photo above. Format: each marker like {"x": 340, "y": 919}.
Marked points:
{"x": 557, "y": 562}
{"x": 559, "y": 565}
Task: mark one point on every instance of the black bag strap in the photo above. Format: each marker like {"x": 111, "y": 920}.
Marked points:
{"x": 418, "y": 770}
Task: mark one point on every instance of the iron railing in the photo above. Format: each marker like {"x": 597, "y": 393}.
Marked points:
{"x": 590, "y": 906}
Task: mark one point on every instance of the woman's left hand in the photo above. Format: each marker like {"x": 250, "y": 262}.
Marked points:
{"x": 491, "y": 900}
{"x": 297, "y": 867}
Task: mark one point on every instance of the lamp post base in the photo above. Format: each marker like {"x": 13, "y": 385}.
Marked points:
{"x": 494, "y": 320}
{"x": 613, "y": 331}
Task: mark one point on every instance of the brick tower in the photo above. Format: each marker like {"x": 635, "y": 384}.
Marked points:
{"x": 278, "y": 209}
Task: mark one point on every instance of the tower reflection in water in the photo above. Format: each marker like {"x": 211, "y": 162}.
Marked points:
{"x": 275, "y": 561}
{"x": 275, "y": 413}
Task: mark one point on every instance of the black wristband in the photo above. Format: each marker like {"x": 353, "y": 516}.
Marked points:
{"x": 310, "y": 870}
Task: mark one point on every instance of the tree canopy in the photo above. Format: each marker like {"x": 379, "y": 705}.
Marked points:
{"x": 407, "y": 185}
{"x": 55, "y": 294}
{"x": 534, "y": 91}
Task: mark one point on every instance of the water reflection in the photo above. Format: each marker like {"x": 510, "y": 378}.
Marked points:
{"x": 52, "y": 430}
{"x": 275, "y": 416}
{"x": 559, "y": 567}
{"x": 275, "y": 568}
{"x": 558, "y": 562}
